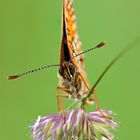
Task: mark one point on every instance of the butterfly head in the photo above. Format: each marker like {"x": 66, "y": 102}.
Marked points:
{"x": 67, "y": 71}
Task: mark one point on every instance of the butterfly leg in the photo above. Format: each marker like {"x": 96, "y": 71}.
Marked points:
{"x": 59, "y": 101}
{"x": 98, "y": 107}
{"x": 85, "y": 83}
{"x": 90, "y": 99}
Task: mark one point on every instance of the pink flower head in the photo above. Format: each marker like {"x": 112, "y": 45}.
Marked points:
{"x": 77, "y": 124}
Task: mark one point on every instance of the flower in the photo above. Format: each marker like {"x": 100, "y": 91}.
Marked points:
{"x": 76, "y": 124}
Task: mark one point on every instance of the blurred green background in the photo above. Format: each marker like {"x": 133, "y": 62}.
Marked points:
{"x": 30, "y": 33}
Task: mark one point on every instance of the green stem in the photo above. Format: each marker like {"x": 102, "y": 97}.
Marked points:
{"x": 125, "y": 50}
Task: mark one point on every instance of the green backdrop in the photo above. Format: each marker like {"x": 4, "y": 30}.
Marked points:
{"x": 30, "y": 33}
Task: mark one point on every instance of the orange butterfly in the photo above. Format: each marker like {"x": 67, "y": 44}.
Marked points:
{"x": 72, "y": 76}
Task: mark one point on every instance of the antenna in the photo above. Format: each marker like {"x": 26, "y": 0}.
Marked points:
{"x": 30, "y": 71}
{"x": 98, "y": 46}
{"x": 11, "y": 77}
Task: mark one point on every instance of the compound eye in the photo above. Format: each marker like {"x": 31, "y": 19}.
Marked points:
{"x": 61, "y": 71}
{"x": 72, "y": 70}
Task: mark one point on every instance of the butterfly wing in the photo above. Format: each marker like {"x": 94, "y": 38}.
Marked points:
{"x": 70, "y": 29}
{"x": 65, "y": 52}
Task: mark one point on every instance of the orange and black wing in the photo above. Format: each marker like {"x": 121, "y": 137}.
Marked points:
{"x": 70, "y": 45}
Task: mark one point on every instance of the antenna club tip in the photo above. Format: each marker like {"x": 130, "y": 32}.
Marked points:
{"x": 101, "y": 44}
{"x": 104, "y": 42}
{"x": 12, "y": 77}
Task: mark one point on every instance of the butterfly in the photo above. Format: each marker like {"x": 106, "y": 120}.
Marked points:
{"x": 71, "y": 74}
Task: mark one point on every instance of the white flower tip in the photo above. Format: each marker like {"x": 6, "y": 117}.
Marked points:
{"x": 37, "y": 123}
